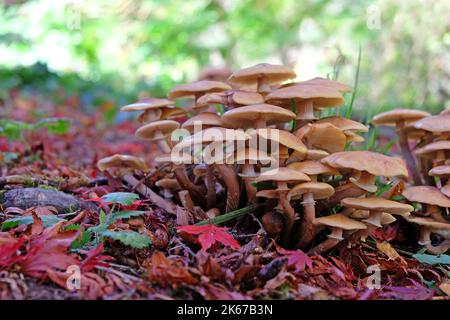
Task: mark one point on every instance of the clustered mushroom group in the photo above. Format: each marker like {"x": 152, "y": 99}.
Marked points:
{"x": 424, "y": 143}
{"x": 259, "y": 138}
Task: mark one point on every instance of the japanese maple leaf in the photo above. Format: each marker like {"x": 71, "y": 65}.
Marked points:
{"x": 9, "y": 251}
{"x": 94, "y": 259}
{"x": 295, "y": 258}
{"x": 209, "y": 234}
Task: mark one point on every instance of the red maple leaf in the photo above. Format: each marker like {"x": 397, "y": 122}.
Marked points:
{"x": 94, "y": 259}
{"x": 295, "y": 258}
{"x": 209, "y": 234}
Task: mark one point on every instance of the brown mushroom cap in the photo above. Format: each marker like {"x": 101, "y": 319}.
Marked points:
{"x": 386, "y": 218}
{"x": 313, "y": 167}
{"x": 446, "y": 190}
{"x": 173, "y": 112}
{"x": 429, "y": 222}
{"x": 147, "y": 104}
{"x": 271, "y": 73}
{"x": 213, "y": 73}
{"x": 198, "y": 87}
{"x": 340, "y": 221}
{"x": 325, "y": 136}
{"x": 344, "y": 124}
{"x": 157, "y": 130}
{"x": 319, "y": 190}
{"x": 445, "y": 111}
{"x": 372, "y": 162}
{"x": 427, "y": 195}
{"x": 259, "y": 111}
{"x": 121, "y": 161}
{"x": 206, "y": 119}
{"x": 247, "y": 98}
{"x": 327, "y": 83}
{"x": 168, "y": 183}
{"x": 249, "y": 155}
{"x": 213, "y": 135}
{"x": 322, "y": 96}
{"x": 392, "y": 117}
{"x": 282, "y": 174}
{"x": 430, "y": 149}
{"x": 440, "y": 171}
{"x": 378, "y": 204}
{"x": 439, "y": 123}
{"x": 269, "y": 194}
{"x": 284, "y": 138}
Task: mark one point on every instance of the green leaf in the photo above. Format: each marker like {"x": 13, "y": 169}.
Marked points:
{"x": 13, "y": 129}
{"x": 430, "y": 259}
{"x": 113, "y": 217}
{"x": 123, "y": 198}
{"x": 47, "y": 221}
{"x": 129, "y": 238}
{"x": 82, "y": 241}
{"x": 54, "y": 125}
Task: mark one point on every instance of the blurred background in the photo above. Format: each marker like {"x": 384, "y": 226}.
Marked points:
{"x": 105, "y": 53}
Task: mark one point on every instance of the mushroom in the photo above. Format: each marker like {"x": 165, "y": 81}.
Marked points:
{"x": 376, "y": 207}
{"x": 262, "y": 76}
{"x": 121, "y": 166}
{"x": 429, "y": 226}
{"x": 428, "y": 195}
{"x": 307, "y": 98}
{"x": 215, "y": 74}
{"x": 398, "y": 118}
{"x": 318, "y": 81}
{"x": 282, "y": 176}
{"x": 442, "y": 172}
{"x": 158, "y": 131}
{"x": 436, "y": 150}
{"x": 365, "y": 165}
{"x": 309, "y": 192}
{"x": 386, "y": 218}
{"x": 337, "y": 223}
{"x": 151, "y": 108}
{"x": 259, "y": 114}
{"x": 272, "y": 222}
{"x": 168, "y": 186}
{"x": 231, "y": 98}
{"x": 198, "y": 89}
{"x": 434, "y": 124}
{"x": 349, "y": 127}
{"x": 325, "y": 136}
{"x": 202, "y": 121}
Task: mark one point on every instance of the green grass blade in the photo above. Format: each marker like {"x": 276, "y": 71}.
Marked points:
{"x": 230, "y": 215}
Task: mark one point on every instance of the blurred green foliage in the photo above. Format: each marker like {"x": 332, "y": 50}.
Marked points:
{"x": 116, "y": 48}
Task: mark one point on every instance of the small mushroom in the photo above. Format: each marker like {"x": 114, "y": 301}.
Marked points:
{"x": 273, "y": 223}
{"x": 376, "y": 207}
{"x": 202, "y": 121}
{"x": 337, "y": 223}
{"x": 325, "y": 83}
{"x": 262, "y": 76}
{"x": 168, "y": 186}
{"x": 215, "y": 74}
{"x": 231, "y": 98}
{"x": 429, "y": 226}
{"x": 349, "y": 127}
{"x": 437, "y": 151}
{"x": 435, "y": 124}
{"x": 309, "y": 192}
{"x": 399, "y": 118}
{"x": 158, "y": 131}
{"x": 325, "y": 136}
{"x": 259, "y": 114}
{"x": 281, "y": 177}
{"x": 428, "y": 195}
{"x": 151, "y": 108}
{"x": 365, "y": 165}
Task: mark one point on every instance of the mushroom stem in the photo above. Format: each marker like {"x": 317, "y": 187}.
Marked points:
{"x": 232, "y": 184}
{"x": 210, "y": 187}
{"x": 306, "y": 227}
{"x": 262, "y": 86}
{"x": 407, "y": 154}
{"x": 305, "y": 113}
{"x": 185, "y": 183}
{"x": 374, "y": 218}
{"x": 260, "y": 123}
{"x": 149, "y": 194}
{"x": 333, "y": 240}
{"x": 248, "y": 171}
{"x": 364, "y": 180}
{"x": 289, "y": 215}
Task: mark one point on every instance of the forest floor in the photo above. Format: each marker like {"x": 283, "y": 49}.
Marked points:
{"x": 232, "y": 261}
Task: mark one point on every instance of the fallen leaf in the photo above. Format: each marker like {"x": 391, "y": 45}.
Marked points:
{"x": 210, "y": 234}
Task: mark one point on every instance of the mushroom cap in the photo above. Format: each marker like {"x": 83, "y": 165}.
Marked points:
{"x": 446, "y": 190}
{"x": 372, "y": 162}
{"x": 392, "y": 117}
{"x": 438, "y": 123}
{"x": 344, "y": 124}
{"x": 313, "y": 167}
{"x": 121, "y": 160}
{"x": 172, "y": 112}
{"x": 321, "y": 96}
{"x": 378, "y": 204}
{"x": 249, "y": 154}
{"x": 257, "y": 111}
{"x": 327, "y": 83}
{"x": 212, "y": 73}
{"x": 445, "y": 111}
{"x": 208, "y": 119}
{"x": 272, "y": 74}
{"x": 353, "y": 137}
{"x": 430, "y": 149}
{"x": 147, "y": 104}
{"x": 427, "y": 195}
{"x": 340, "y": 221}
{"x": 313, "y": 154}
{"x": 325, "y": 136}
{"x": 429, "y": 222}
{"x": 198, "y": 87}
{"x": 269, "y": 194}
{"x": 283, "y": 137}
{"x": 319, "y": 190}
{"x": 214, "y": 134}
{"x": 157, "y": 130}
{"x": 440, "y": 171}
{"x": 386, "y": 218}
{"x": 168, "y": 183}
{"x": 282, "y": 174}
{"x": 247, "y": 97}
{"x": 412, "y": 133}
